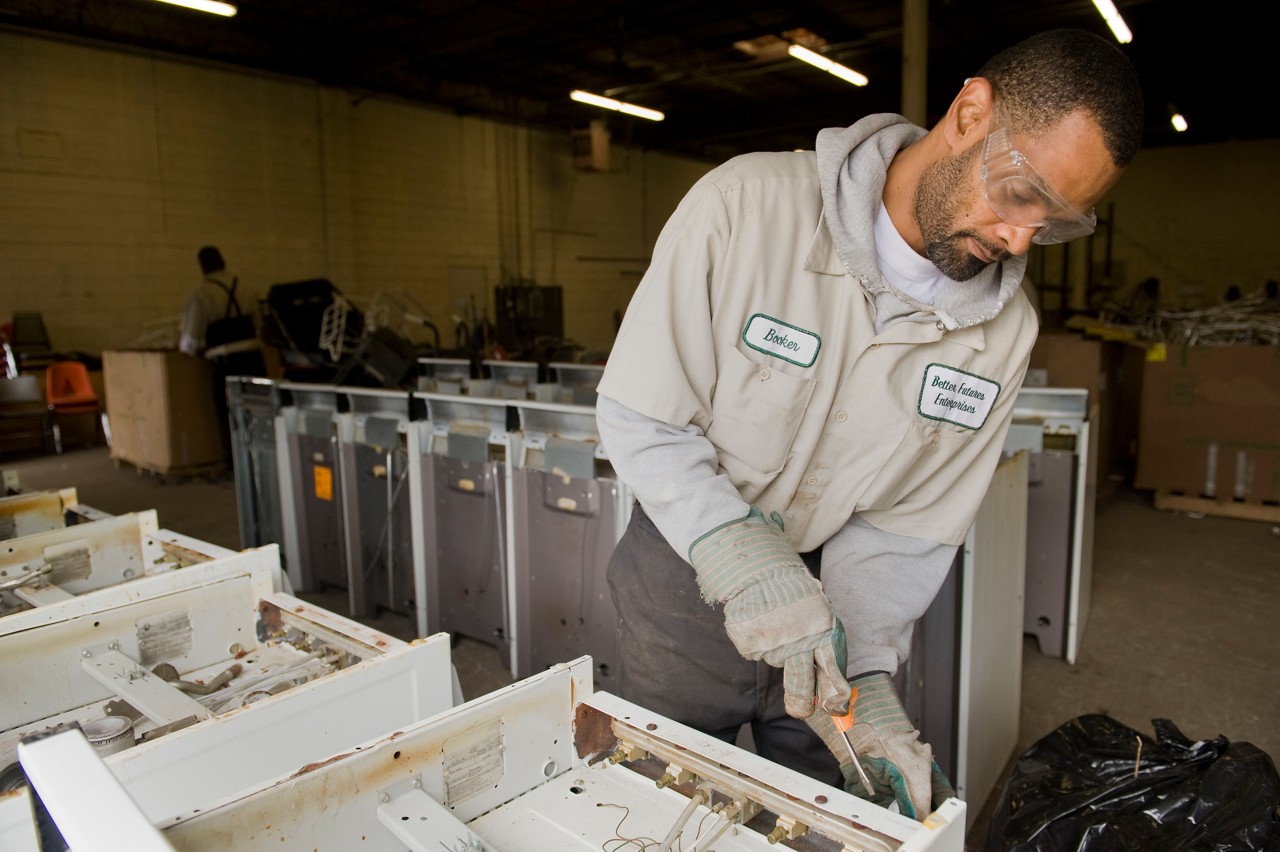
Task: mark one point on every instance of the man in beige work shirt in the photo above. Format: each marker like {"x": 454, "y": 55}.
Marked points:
{"x": 814, "y": 379}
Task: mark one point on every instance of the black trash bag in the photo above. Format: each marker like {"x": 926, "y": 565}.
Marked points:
{"x": 1076, "y": 790}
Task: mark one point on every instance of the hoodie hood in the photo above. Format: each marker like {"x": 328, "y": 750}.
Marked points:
{"x": 852, "y": 166}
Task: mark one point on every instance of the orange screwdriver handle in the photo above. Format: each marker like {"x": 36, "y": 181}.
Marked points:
{"x": 845, "y": 722}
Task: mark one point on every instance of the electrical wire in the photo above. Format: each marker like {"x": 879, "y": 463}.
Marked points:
{"x": 715, "y": 809}
{"x": 640, "y": 842}
{"x": 302, "y": 667}
{"x": 384, "y": 534}
{"x": 500, "y": 528}
{"x": 24, "y": 579}
{"x": 388, "y": 523}
{"x": 729, "y": 815}
{"x": 697, "y": 800}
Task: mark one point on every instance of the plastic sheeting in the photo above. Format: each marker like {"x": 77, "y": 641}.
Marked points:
{"x": 1094, "y": 784}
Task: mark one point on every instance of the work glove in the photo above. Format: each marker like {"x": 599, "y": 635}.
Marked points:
{"x": 900, "y": 768}
{"x": 774, "y": 609}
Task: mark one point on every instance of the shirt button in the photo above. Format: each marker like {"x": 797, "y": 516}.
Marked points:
{"x": 841, "y": 417}
{"x": 813, "y": 480}
{"x": 933, "y": 439}
{"x": 939, "y": 326}
{"x": 764, "y": 375}
{"x": 790, "y": 516}
{"x": 874, "y": 346}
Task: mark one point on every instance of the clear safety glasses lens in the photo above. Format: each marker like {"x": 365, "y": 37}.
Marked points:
{"x": 1020, "y": 196}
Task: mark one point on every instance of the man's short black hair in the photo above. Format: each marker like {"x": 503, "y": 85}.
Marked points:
{"x": 210, "y": 260}
{"x": 1044, "y": 78}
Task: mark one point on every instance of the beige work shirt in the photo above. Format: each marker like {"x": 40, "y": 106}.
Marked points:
{"x": 748, "y": 326}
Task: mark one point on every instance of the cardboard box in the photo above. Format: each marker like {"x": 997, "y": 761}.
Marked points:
{"x": 161, "y": 411}
{"x": 1210, "y": 422}
{"x": 1068, "y": 360}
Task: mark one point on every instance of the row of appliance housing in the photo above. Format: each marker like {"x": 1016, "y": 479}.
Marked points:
{"x": 166, "y": 693}
{"x": 491, "y": 517}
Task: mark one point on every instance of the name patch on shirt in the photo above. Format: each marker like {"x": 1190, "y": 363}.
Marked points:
{"x": 955, "y": 396}
{"x": 782, "y": 340}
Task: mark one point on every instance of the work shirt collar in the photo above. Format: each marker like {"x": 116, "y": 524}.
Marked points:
{"x": 852, "y": 166}
{"x": 823, "y": 258}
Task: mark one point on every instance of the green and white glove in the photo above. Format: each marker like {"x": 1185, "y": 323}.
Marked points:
{"x": 774, "y": 609}
{"x": 900, "y": 767}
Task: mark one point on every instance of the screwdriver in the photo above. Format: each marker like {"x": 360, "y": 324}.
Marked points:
{"x": 843, "y": 724}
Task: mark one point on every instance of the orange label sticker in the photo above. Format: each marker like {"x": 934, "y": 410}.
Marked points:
{"x": 324, "y": 482}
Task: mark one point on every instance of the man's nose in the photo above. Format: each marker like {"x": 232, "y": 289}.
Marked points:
{"x": 1017, "y": 240}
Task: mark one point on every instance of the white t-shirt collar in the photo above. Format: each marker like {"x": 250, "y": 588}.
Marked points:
{"x": 904, "y": 269}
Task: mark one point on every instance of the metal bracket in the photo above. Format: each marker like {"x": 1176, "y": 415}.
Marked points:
{"x": 420, "y": 822}
{"x": 159, "y": 701}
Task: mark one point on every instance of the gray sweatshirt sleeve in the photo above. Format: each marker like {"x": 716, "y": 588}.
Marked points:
{"x": 879, "y": 583}
{"x": 672, "y": 471}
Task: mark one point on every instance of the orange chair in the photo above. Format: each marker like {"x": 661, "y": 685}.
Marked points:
{"x": 68, "y": 391}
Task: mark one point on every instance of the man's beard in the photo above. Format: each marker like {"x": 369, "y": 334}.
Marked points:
{"x": 937, "y": 204}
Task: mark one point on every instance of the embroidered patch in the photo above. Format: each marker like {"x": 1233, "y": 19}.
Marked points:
{"x": 782, "y": 340}
{"x": 955, "y": 396}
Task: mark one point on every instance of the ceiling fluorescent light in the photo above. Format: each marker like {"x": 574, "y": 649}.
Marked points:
{"x": 620, "y": 106}
{"x": 213, "y": 7}
{"x": 1179, "y": 123}
{"x": 817, "y": 60}
{"x": 1112, "y": 16}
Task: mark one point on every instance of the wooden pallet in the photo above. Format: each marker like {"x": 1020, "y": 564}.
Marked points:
{"x": 1175, "y": 502}
{"x": 212, "y": 470}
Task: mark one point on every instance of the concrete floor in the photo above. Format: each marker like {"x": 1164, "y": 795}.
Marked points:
{"x": 1181, "y": 624}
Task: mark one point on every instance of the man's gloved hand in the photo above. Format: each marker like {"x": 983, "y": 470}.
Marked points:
{"x": 901, "y": 768}
{"x": 774, "y": 609}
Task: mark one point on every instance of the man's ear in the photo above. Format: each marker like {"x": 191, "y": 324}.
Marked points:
{"x": 969, "y": 117}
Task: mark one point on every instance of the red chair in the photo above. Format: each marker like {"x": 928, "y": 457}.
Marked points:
{"x": 68, "y": 391}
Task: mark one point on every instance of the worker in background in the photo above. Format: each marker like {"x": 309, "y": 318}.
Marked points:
{"x": 214, "y": 327}
{"x": 210, "y": 300}
{"x": 810, "y": 391}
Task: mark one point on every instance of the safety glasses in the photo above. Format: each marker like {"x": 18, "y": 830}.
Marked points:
{"x": 1020, "y": 196}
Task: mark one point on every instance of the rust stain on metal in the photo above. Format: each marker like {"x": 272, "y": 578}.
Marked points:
{"x": 184, "y": 556}
{"x": 388, "y": 770}
{"x": 312, "y": 767}
{"x": 269, "y": 616}
{"x": 593, "y": 734}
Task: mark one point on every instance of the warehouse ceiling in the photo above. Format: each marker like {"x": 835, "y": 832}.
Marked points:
{"x": 713, "y": 67}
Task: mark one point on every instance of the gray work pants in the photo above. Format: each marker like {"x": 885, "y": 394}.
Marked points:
{"x": 676, "y": 659}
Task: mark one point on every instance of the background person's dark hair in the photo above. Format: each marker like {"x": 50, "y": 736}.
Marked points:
{"x": 210, "y": 260}
{"x": 1045, "y": 77}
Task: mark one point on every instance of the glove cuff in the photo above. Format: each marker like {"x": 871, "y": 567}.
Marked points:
{"x": 825, "y": 727}
{"x": 879, "y": 707}
{"x": 734, "y": 555}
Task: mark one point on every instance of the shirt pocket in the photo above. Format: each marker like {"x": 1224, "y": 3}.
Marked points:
{"x": 755, "y": 413}
{"x": 917, "y": 463}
